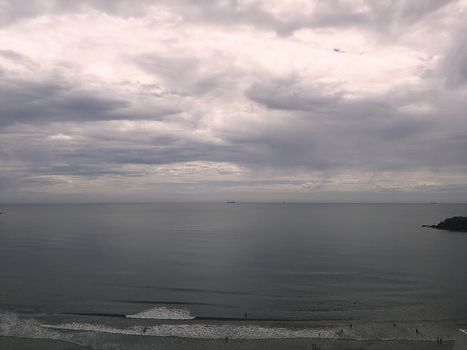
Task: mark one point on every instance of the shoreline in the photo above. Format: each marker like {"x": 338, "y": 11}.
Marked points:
{"x": 20, "y": 343}
{"x": 174, "y": 343}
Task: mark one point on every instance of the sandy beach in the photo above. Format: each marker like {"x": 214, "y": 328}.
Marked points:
{"x": 169, "y": 343}
{"x": 16, "y": 343}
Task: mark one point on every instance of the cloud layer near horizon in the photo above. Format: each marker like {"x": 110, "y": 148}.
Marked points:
{"x": 247, "y": 100}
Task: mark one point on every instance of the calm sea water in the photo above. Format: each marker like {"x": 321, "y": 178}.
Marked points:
{"x": 81, "y": 272}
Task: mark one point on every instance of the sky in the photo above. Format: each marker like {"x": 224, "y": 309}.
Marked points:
{"x": 247, "y": 100}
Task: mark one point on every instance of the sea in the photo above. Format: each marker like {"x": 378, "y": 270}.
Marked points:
{"x": 99, "y": 274}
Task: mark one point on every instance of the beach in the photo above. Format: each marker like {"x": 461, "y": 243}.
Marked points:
{"x": 172, "y": 343}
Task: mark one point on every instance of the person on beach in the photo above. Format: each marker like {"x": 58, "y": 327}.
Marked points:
{"x": 144, "y": 330}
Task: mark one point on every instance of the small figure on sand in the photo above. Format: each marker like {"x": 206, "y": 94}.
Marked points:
{"x": 394, "y": 324}
{"x": 226, "y": 339}
{"x": 246, "y": 315}
{"x": 145, "y": 329}
{"x": 416, "y": 330}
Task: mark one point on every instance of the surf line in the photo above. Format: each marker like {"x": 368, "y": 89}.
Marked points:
{"x": 202, "y": 318}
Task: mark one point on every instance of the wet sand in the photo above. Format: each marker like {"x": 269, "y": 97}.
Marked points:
{"x": 168, "y": 343}
{"x": 15, "y": 343}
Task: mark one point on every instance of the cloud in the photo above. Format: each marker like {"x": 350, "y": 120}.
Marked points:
{"x": 23, "y": 102}
{"x": 51, "y": 103}
{"x": 286, "y": 95}
{"x": 125, "y": 99}
{"x": 182, "y": 75}
{"x": 53, "y": 99}
{"x": 18, "y": 10}
{"x": 454, "y": 64}
{"x": 282, "y": 17}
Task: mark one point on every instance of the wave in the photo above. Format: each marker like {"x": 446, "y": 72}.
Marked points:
{"x": 182, "y": 314}
{"x": 247, "y": 332}
{"x": 12, "y": 325}
{"x": 82, "y": 333}
{"x": 163, "y": 313}
{"x": 204, "y": 331}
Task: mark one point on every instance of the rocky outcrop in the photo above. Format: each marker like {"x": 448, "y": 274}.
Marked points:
{"x": 456, "y": 223}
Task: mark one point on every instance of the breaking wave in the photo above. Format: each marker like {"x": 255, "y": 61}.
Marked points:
{"x": 163, "y": 313}
{"x": 203, "y": 331}
{"x": 83, "y": 332}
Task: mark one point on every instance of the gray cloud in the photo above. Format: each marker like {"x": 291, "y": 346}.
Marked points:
{"x": 454, "y": 64}
{"x": 328, "y": 131}
{"x": 55, "y": 100}
{"x": 185, "y": 75}
{"x": 383, "y": 16}
{"x": 284, "y": 94}
{"x": 24, "y": 101}
{"x": 176, "y": 116}
{"x": 17, "y": 10}
{"x": 364, "y": 135}
{"x": 18, "y": 58}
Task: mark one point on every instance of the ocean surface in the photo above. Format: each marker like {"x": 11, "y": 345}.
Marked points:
{"x": 95, "y": 274}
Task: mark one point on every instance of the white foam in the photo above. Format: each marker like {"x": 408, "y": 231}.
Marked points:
{"x": 13, "y": 326}
{"x": 83, "y": 333}
{"x": 251, "y": 331}
{"x": 164, "y": 313}
{"x": 204, "y": 331}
